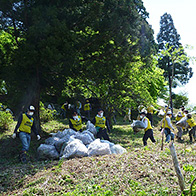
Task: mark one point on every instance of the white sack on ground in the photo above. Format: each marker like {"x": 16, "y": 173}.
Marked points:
{"x": 98, "y": 148}
{"x": 117, "y": 149}
{"x": 88, "y": 132}
{"x": 47, "y": 152}
{"x": 75, "y": 149}
{"x": 90, "y": 127}
{"x": 85, "y": 138}
{"x": 51, "y": 140}
{"x": 182, "y": 123}
{"x": 63, "y": 141}
{"x": 107, "y": 142}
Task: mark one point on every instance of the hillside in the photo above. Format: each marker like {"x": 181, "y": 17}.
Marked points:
{"x": 141, "y": 171}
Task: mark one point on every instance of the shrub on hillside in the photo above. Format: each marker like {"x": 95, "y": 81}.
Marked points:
{"x": 5, "y": 119}
{"x": 46, "y": 114}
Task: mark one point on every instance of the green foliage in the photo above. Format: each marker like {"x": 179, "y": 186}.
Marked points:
{"x": 179, "y": 100}
{"x": 5, "y": 119}
{"x": 46, "y": 114}
{"x": 98, "y": 48}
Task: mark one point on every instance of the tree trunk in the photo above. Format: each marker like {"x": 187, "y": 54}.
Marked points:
{"x": 176, "y": 166}
{"x": 170, "y": 93}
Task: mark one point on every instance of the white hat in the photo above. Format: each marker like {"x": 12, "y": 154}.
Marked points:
{"x": 169, "y": 112}
{"x": 31, "y": 108}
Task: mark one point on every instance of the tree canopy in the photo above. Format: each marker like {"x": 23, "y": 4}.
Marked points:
{"x": 172, "y": 56}
{"x": 95, "y": 48}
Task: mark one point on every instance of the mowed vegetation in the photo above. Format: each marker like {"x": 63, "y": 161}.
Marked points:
{"x": 141, "y": 171}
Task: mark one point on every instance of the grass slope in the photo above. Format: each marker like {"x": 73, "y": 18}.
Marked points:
{"x": 142, "y": 171}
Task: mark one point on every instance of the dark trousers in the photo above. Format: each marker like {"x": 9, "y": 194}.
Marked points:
{"x": 192, "y": 133}
{"x": 87, "y": 114}
{"x": 148, "y": 134}
{"x": 102, "y": 133}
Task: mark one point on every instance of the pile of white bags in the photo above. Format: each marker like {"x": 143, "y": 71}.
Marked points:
{"x": 69, "y": 144}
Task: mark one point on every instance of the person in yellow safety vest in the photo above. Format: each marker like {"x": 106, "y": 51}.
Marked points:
{"x": 101, "y": 123}
{"x": 87, "y": 108}
{"x": 78, "y": 107}
{"x": 127, "y": 115}
{"x": 168, "y": 126}
{"x": 75, "y": 122}
{"x": 64, "y": 109}
{"x": 191, "y": 122}
{"x": 148, "y": 129}
{"x": 179, "y": 116}
{"x": 26, "y": 125}
{"x": 150, "y": 112}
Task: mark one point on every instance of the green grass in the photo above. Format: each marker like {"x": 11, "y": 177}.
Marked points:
{"x": 142, "y": 171}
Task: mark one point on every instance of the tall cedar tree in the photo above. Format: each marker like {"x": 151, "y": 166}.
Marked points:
{"x": 169, "y": 38}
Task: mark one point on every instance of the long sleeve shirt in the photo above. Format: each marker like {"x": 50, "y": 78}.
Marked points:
{"x": 145, "y": 121}
{"x": 169, "y": 122}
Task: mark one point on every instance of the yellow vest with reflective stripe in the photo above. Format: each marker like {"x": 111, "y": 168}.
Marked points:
{"x": 100, "y": 121}
{"x": 166, "y": 124}
{"x": 178, "y": 118}
{"x": 77, "y": 124}
{"x": 26, "y": 124}
{"x": 149, "y": 124}
{"x": 191, "y": 122}
{"x": 86, "y": 106}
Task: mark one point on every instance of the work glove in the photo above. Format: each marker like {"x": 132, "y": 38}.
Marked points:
{"x": 14, "y": 135}
{"x": 38, "y": 137}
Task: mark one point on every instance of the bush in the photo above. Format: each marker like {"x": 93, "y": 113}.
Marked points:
{"x": 46, "y": 114}
{"x": 5, "y": 119}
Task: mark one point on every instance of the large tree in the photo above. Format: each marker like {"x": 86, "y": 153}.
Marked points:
{"x": 105, "y": 46}
{"x": 172, "y": 58}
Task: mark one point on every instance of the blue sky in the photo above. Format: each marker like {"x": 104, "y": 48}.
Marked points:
{"x": 184, "y": 15}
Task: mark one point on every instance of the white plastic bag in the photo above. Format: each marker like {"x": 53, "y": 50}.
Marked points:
{"x": 182, "y": 123}
{"x": 138, "y": 124}
{"x": 98, "y": 148}
{"x": 75, "y": 149}
{"x": 90, "y": 127}
{"x": 84, "y": 137}
{"x": 51, "y": 140}
{"x": 61, "y": 142}
{"x": 47, "y": 152}
{"x": 88, "y": 132}
{"x": 117, "y": 149}
{"x": 161, "y": 113}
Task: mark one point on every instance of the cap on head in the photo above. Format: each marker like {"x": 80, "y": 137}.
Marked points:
{"x": 144, "y": 113}
{"x": 169, "y": 113}
{"x": 99, "y": 110}
{"x": 31, "y": 108}
{"x": 189, "y": 116}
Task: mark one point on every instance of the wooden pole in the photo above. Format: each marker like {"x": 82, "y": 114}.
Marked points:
{"x": 176, "y": 166}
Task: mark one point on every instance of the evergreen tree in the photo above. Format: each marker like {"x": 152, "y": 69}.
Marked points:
{"x": 172, "y": 57}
